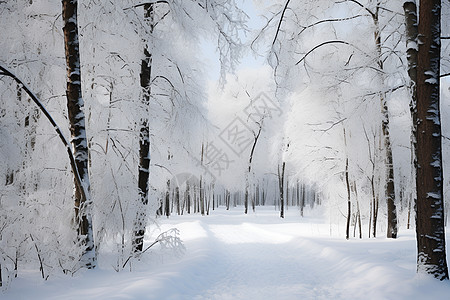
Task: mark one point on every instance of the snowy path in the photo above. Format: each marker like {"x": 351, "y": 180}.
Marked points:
{"x": 230, "y": 255}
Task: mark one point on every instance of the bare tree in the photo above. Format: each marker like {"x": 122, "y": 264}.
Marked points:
{"x": 249, "y": 165}
{"x": 75, "y": 109}
{"x": 390, "y": 186}
{"x": 281, "y": 186}
{"x": 372, "y": 10}
{"x": 144, "y": 136}
{"x": 347, "y": 185}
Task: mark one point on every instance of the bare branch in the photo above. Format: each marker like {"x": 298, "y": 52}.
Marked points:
{"x": 263, "y": 29}
{"x": 330, "y": 21}
{"x": 63, "y": 139}
{"x": 281, "y": 21}
{"x": 147, "y": 3}
{"x": 326, "y": 43}
{"x": 330, "y": 127}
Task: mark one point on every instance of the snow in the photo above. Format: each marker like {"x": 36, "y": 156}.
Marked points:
{"x": 230, "y": 255}
{"x": 412, "y": 45}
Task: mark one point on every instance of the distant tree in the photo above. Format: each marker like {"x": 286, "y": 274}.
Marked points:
{"x": 281, "y": 170}
{"x": 249, "y": 165}
{"x": 165, "y": 73}
{"x": 293, "y": 36}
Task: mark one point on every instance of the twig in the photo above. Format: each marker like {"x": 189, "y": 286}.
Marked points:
{"x": 129, "y": 257}
{"x": 41, "y": 268}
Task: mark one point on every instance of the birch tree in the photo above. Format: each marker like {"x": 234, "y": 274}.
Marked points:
{"x": 220, "y": 19}
{"x": 75, "y": 110}
{"x": 144, "y": 136}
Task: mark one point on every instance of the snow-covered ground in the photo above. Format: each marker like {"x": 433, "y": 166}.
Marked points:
{"x": 230, "y": 255}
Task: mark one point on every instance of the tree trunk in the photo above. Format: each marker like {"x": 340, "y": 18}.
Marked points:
{"x": 358, "y": 211}
{"x": 410, "y": 10}
{"x": 281, "y": 187}
{"x": 287, "y": 193}
{"x": 247, "y": 179}
{"x": 177, "y": 200}
{"x": 390, "y": 188}
{"x": 188, "y": 198}
{"x": 75, "y": 109}
{"x": 431, "y": 258}
{"x": 349, "y": 202}
{"x": 263, "y": 197}
{"x": 167, "y": 200}
{"x": 370, "y": 218}
{"x": 144, "y": 140}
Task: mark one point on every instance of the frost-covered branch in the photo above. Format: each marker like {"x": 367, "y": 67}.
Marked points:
{"x": 63, "y": 139}
{"x": 330, "y": 21}
{"x": 168, "y": 239}
{"x": 281, "y": 21}
{"x": 147, "y": 3}
{"x": 327, "y": 43}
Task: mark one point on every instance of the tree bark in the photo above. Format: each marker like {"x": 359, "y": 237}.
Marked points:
{"x": 75, "y": 109}
{"x": 431, "y": 257}
{"x": 390, "y": 187}
{"x": 144, "y": 140}
{"x": 410, "y": 10}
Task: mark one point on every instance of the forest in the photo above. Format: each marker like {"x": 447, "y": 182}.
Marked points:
{"x": 120, "y": 117}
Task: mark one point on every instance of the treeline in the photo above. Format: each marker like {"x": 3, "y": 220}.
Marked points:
{"x": 193, "y": 197}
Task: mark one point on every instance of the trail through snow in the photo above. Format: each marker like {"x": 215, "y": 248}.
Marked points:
{"x": 230, "y": 255}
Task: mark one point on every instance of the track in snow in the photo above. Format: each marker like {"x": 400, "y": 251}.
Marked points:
{"x": 230, "y": 255}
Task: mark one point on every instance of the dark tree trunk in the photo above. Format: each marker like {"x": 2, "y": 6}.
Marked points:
{"x": 374, "y": 207}
{"x": 75, "y": 109}
{"x": 302, "y": 199}
{"x": 177, "y": 200}
{"x": 287, "y": 193}
{"x": 202, "y": 197}
{"x": 167, "y": 200}
{"x": 431, "y": 258}
{"x": 281, "y": 188}
{"x": 247, "y": 179}
{"x": 349, "y": 201}
{"x": 358, "y": 212}
{"x": 144, "y": 141}
{"x": 188, "y": 198}
{"x": 347, "y": 184}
